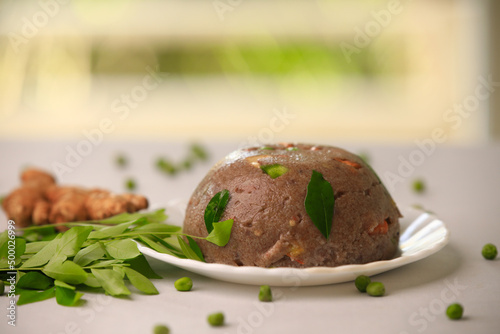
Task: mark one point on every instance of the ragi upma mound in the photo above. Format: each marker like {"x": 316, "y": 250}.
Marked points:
{"x": 297, "y": 205}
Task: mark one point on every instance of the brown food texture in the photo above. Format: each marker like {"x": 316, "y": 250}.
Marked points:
{"x": 271, "y": 226}
{"x": 41, "y": 201}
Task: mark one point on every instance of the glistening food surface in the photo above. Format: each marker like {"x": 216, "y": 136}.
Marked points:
{"x": 273, "y": 224}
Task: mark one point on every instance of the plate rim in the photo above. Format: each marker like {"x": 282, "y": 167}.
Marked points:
{"x": 214, "y": 269}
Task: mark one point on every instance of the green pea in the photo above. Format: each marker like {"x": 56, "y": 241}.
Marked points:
{"x": 375, "y": 289}
{"x": 161, "y": 329}
{"x": 183, "y": 284}
{"x": 362, "y": 282}
{"x": 2, "y": 288}
{"x": 265, "y": 294}
{"x": 489, "y": 251}
{"x": 130, "y": 184}
{"x": 216, "y": 319}
{"x": 121, "y": 161}
{"x": 418, "y": 186}
{"x": 455, "y": 311}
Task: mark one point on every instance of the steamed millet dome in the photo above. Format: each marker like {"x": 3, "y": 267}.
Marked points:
{"x": 271, "y": 225}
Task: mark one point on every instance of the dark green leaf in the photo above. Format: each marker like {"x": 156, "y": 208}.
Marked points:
{"x": 111, "y": 281}
{"x": 221, "y": 233}
{"x": 66, "y": 271}
{"x": 44, "y": 255}
{"x": 89, "y": 254}
{"x": 320, "y": 202}
{"x": 141, "y": 265}
{"x": 67, "y": 297}
{"x": 194, "y": 246}
{"x": 32, "y": 296}
{"x": 215, "y": 209}
{"x": 141, "y": 282}
{"x": 187, "y": 250}
{"x": 34, "y": 280}
{"x": 122, "y": 249}
{"x": 274, "y": 170}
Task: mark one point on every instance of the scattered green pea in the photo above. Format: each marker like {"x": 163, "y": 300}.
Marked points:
{"x": 130, "y": 184}
{"x": 455, "y": 311}
{"x": 121, "y": 161}
{"x": 161, "y": 329}
{"x": 216, "y": 319}
{"x": 2, "y": 288}
{"x": 265, "y": 294}
{"x": 375, "y": 289}
{"x": 184, "y": 284}
{"x": 362, "y": 282}
{"x": 418, "y": 186}
{"x": 489, "y": 251}
{"x": 166, "y": 166}
{"x": 199, "y": 151}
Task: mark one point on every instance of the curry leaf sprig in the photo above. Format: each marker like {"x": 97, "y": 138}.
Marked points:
{"x": 95, "y": 255}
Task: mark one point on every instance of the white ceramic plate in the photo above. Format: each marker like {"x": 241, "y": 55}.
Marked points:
{"x": 423, "y": 234}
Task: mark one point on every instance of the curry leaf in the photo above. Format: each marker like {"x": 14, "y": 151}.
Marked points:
{"x": 31, "y": 296}
{"x": 67, "y": 271}
{"x": 188, "y": 251}
{"x": 34, "y": 280}
{"x": 215, "y": 209}
{"x": 89, "y": 254}
{"x": 122, "y": 249}
{"x": 44, "y": 255}
{"x": 320, "y": 202}
{"x": 221, "y": 233}
{"x": 141, "y": 265}
{"x": 72, "y": 240}
{"x": 67, "y": 297}
{"x": 111, "y": 281}
{"x": 141, "y": 282}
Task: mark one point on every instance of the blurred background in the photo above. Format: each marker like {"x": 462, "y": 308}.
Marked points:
{"x": 373, "y": 71}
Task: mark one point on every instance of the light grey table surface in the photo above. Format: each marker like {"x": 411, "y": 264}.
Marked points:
{"x": 462, "y": 189}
